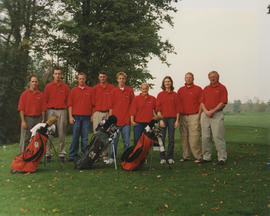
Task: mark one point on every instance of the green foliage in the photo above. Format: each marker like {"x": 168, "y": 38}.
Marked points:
{"x": 239, "y": 188}
{"x": 22, "y": 32}
{"x": 112, "y": 35}
{"x": 237, "y": 106}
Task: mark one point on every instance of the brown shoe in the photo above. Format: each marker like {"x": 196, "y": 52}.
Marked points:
{"x": 197, "y": 161}
{"x": 184, "y": 159}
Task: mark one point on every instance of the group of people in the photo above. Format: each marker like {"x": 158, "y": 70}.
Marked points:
{"x": 197, "y": 112}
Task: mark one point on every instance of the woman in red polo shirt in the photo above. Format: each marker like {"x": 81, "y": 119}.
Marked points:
{"x": 142, "y": 111}
{"x": 168, "y": 107}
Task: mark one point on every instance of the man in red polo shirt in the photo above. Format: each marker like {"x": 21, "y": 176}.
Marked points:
{"x": 32, "y": 110}
{"x": 80, "y": 110}
{"x": 190, "y": 96}
{"x": 102, "y": 93}
{"x": 56, "y": 97}
{"x": 122, "y": 97}
{"x": 142, "y": 111}
{"x": 214, "y": 99}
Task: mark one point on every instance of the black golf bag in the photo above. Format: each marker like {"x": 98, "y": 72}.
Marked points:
{"x": 107, "y": 131}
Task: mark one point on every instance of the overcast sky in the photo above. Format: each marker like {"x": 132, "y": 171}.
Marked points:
{"x": 229, "y": 36}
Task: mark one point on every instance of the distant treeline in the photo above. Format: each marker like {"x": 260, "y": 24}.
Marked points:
{"x": 237, "y": 106}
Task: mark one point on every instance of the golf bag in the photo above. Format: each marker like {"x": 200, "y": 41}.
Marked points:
{"x": 106, "y": 133}
{"x": 134, "y": 157}
{"x": 28, "y": 160}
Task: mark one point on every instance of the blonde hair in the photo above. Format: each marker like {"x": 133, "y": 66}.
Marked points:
{"x": 121, "y": 74}
{"x": 145, "y": 84}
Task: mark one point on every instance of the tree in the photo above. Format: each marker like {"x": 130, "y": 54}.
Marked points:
{"x": 237, "y": 106}
{"x": 114, "y": 36}
{"x": 22, "y": 34}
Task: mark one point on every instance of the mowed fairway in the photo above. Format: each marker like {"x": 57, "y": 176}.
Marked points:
{"x": 241, "y": 187}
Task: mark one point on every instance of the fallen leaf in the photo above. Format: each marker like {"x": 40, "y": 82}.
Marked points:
{"x": 160, "y": 209}
{"x": 204, "y": 174}
{"x": 26, "y": 210}
{"x": 215, "y": 208}
{"x": 29, "y": 186}
{"x": 55, "y": 210}
{"x": 166, "y": 205}
{"x": 100, "y": 172}
{"x": 56, "y": 179}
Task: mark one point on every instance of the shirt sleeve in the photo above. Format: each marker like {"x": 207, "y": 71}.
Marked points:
{"x": 202, "y": 98}
{"x": 177, "y": 102}
{"x": 46, "y": 94}
{"x": 69, "y": 103}
{"x": 67, "y": 94}
{"x": 181, "y": 105}
{"x": 43, "y": 103}
{"x": 133, "y": 108}
{"x": 224, "y": 95}
{"x": 158, "y": 104}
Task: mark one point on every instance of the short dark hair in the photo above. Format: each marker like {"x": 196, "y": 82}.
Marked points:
{"x": 33, "y": 75}
{"x": 163, "y": 86}
{"x": 102, "y": 72}
{"x": 56, "y": 68}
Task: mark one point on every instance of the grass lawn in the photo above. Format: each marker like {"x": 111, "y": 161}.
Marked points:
{"x": 241, "y": 187}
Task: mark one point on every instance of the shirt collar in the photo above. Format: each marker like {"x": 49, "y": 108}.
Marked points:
{"x": 217, "y": 85}
{"x": 191, "y": 86}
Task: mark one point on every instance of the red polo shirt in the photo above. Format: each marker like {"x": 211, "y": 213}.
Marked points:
{"x": 142, "y": 108}
{"x": 56, "y": 95}
{"x": 81, "y": 100}
{"x": 102, "y": 95}
{"x": 190, "y": 99}
{"x": 32, "y": 103}
{"x": 212, "y": 96}
{"x": 168, "y": 104}
{"x": 120, "y": 104}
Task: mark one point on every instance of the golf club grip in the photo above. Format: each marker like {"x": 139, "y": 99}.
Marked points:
{"x": 51, "y": 121}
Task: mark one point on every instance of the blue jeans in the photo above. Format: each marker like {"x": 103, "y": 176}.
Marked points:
{"x": 138, "y": 130}
{"x": 125, "y": 131}
{"x": 80, "y": 128}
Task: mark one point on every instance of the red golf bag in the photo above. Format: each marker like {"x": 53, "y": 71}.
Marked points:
{"x": 134, "y": 157}
{"x": 28, "y": 160}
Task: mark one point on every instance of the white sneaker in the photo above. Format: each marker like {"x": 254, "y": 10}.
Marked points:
{"x": 109, "y": 161}
{"x": 162, "y": 161}
{"x": 170, "y": 161}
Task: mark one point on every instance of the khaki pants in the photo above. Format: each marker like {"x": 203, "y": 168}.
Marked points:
{"x": 190, "y": 136}
{"x": 97, "y": 118}
{"x": 25, "y": 133}
{"x": 215, "y": 124}
{"x": 61, "y": 125}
